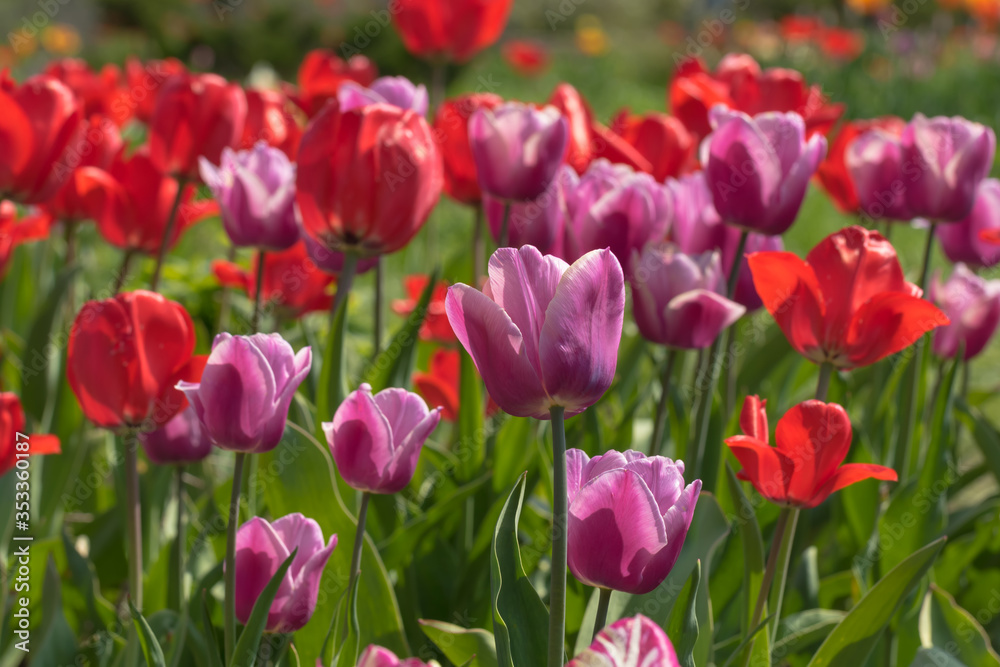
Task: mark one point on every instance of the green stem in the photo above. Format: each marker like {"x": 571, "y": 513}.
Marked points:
{"x": 359, "y": 540}
{"x": 379, "y": 296}
{"x": 659, "y": 426}
{"x": 734, "y": 270}
{"x": 230, "y": 566}
{"x": 603, "y": 600}
{"x": 344, "y": 281}
{"x": 168, "y": 231}
{"x": 179, "y": 543}
{"x": 122, "y": 274}
{"x": 769, "y": 570}
{"x": 504, "y": 227}
{"x": 134, "y": 518}
{"x": 560, "y": 500}
{"x": 478, "y": 246}
{"x": 729, "y": 396}
{"x": 784, "y": 558}
{"x": 911, "y": 382}
{"x": 926, "y": 266}
{"x": 255, "y": 318}
{"x": 823, "y": 382}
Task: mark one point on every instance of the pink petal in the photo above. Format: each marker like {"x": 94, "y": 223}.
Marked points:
{"x": 361, "y": 440}
{"x": 696, "y": 318}
{"x": 630, "y": 642}
{"x": 259, "y": 554}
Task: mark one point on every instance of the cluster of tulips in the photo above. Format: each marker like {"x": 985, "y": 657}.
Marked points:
{"x": 325, "y": 178}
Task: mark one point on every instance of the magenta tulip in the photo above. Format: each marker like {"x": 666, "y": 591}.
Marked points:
{"x": 246, "y": 390}
{"x": 628, "y": 517}
{"x": 180, "y": 441}
{"x": 875, "y": 163}
{"x": 543, "y": 333}
{"x": 539, "y": 222}
{"x": 395, "y": 90}
{"x": 376, "y": 656}
{"x": 376, "y": 439}
{"x": 759, "y": 168}
{"x": 973, "y": 306}
{"x": 631, "y": 642}
{"x": 944, "y": 160}
{"x": 678, "y": 299}
{"x": 517, "y": 149}
{"x": 261, "y": 548}
{"x": 962, "y": 241}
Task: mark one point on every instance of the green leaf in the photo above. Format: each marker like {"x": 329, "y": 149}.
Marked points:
{"x": 150, "y": 647}
{"x": 39, "y": 360}
{"x": 211, "y": 641}
{"x": 800, "y": 631}
{"x": 935, "y": 657}
{"x": 350, "y": 646}
{"x": 945, "y": 625}
{"x": 332, "y": 378}
{"x": 984, "y": 433}
{"x": 246, "y": 648}
{"x": 474, "y": 647}
{"x": 851, "y": 642}
{"x": 54, "y": 642}
{"x": 471, "y": 447}
{"x": 520, "y": 620}
{"x": 683, "y": 626}
{"x": 753, "y": 547}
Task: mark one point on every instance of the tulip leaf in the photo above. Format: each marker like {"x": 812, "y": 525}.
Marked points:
{"x": 53, "y": 642}
{"x": 753, "y": 547}
{"x": 350, "y": 646}
{"x": 41, "y": 353}
{"x": 520, "y": 620}
{"x": 246, "y": 648}
{"x": 332, "y": 378}
{"x": 798, "y": 632}
{"x": 211, "y": 641}
{"x": 474, "y": 647}
{"x": 984, "y": 433}
{"x": 471, "y": 447}
{"x": 854, "y": 638}
{"x": 150, "y": 646}
{"x": 394, "y": 365}
{"x": 935, "y": 657}
{"x": 683, "y": 626}
{"x": 944, "y": 624}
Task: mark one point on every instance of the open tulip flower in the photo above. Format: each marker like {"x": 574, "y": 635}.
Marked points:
{"x": 973, "y": 305}
{"x": 376, "y": 438}
{"x": 543, "y": 333}
{"x": 847, "y": 303}
{"x": 12, "y": 425}
{"x": 246, "y": 389}
{"x": 804, "y": 467}
{"x": 661, "y": 139}
{"x": 631, "y": 642}
{"x": 261, "y": 548}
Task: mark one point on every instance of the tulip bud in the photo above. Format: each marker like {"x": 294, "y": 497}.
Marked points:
{"x": 180, "y": 441}
{"x": 629, "y": 642}
{"x": 972, "y": 304}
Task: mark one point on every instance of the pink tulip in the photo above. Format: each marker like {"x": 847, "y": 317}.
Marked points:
{"x": 261, "y": 548}
{"x": 517, "y": 149}
{"x": 631, "y": 642}
{"x": 376, "y": 439}
{"x": 628, "y": 517}
{"x": 973, "y": 306}
{"x": 948, "y": 158}
{"x": 962, "y": 241}
{"x": 678, "y": 299}
{"x": 395, "y": 90}
{"x": 759, "y": 168}
{"x": 376, "y": 656}
{"x": 543, "y": 333}
{"x": 875, "y": 162}
{"x": 180, "y": 441}
{"x": 539, "y": 222}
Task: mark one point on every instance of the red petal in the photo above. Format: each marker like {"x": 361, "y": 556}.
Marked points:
{"x": 815, "y": 436}
{"x": 888, "y": 323}
{"x": 789, "y": 290}
{"x": 753, "y": 418}
{"x": 231, "y": 275}
{"x": 850, "y": 473}
{"x": 767, "y": 469}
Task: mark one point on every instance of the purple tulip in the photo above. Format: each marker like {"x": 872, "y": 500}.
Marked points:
{"x": 255, "y": 190}
{"x": 759, "y": 168}
{"x": 376, "y": 656}
{"x": 180, "y": 441}
{"x": 628, "y": 517}
{"x": 615, "y": 207}
{"x": 261, "y": 548}
{"x": 539, "y": 222}
{"x": 376, "y": 439}
{"x": 395, "y": 90}
{"x": 542, "y": 333}
{"x": 331, "y": 261}
{"x": 944, "y": 160}
{"x": 697, "y": 228}
{"x": 246, "y": 390}
{"x": 875, "y": 162}
{"x": 678, "y": 299}
{"x": 962, "y": 241}
{"x": 631, "y": 642}
{"x": 517, "y": 149}
{"x": 973, "y": 306}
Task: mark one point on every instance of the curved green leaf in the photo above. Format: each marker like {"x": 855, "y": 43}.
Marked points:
{"x": 246, "y": 648}
{"x": 683, "y": 626}
{"x": 945, "y": 625}
{"x": 150, "y": 647}
{"x": 474, "y": 647}
{"x": 39, "y": 360}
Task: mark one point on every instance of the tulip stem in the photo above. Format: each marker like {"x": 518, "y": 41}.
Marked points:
{"x": 560, "y": 511}
{"x": 179, "y": 544}
{"x": 769, "y": 570}
{"x": 734, "y": 270}
{"x": 255, "y": 318}
{"x": 784, "y": 558}
{"x": 823, "y": 382}
{"x": 123, "y": 270}
{"x": 656, "y": 444}
{"x": 504, "y": 226}
{"x": 379, "y": 295}
{"x": 345, "y": 279}
{"x": 603, "y": 600}
{"x": 359, "y": 540}
{"x": 478, "y": 246}
{"x": 925, "y": 267}
{"x": 134, "y": 518}
{"x": 230, "y": 567}
{"x": 224, "y": 305}
{"x": 168, "y": 231}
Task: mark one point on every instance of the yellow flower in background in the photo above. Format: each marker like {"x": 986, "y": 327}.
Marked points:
{"x": 61, "y": 39}
{"x": 590, "y": 36}
{"x": 868, "y": 6}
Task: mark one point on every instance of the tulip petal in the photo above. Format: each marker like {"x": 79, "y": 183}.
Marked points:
{"x": 498, "y": 350}
{"x": 790, "y": 291}
{"x": 753, "y": 418}
{"x": 582, "y": 331}
{"x": 815, "y": 436}
{"x": 297, "y": 531}
{"x": 888, "y": 323}
{"x": 15, "y": 139}
{"x": 300, "y": 605}
{"x": 360, "y": 438}
{"x": 695, "y": 319}
{"x": 736, "y": 143}
{"x": 259, "y": 554}
{"x": 630, "y": 642}
{"x": 576, "y": 463}
{"x": 851, "y": 473}
{"x": 793, "y": 186}
{"x": 664, "y": 480}
{"x": 676, "y": 521}
{"x": 763, "y": 466}
{"x": 404, "y": 458}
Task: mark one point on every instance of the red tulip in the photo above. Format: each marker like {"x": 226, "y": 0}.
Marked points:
{"x": 13, "y": 439}
{"x": 97, "y": 92}
{"x": 451, "y": 129}
{"x": 367, "y": 178}
{"x": 196, "y": 115}
{"x": 661, "y": 139}
{"x": 833, "y": 174}
{"x": 454, "y": 30}
{"x": 440, "y": 384}
{"x": 292, "y": 281}
{"x": 847, "y": 304}
{"x": 125, "y": 356}
{"x": 38, "y": 121}
{"x": 143, "y": 82}
{"x": 269, "y": 119}
{"x": 527, "y": 58}
{"x": 131, "y": 203}
{"x": 436, "y": 326}
{"x": 98, "y": 146}
{"x": 321, "y": 74}
{"x": 14, "y": 232}
{"x": 804, "y": 467}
